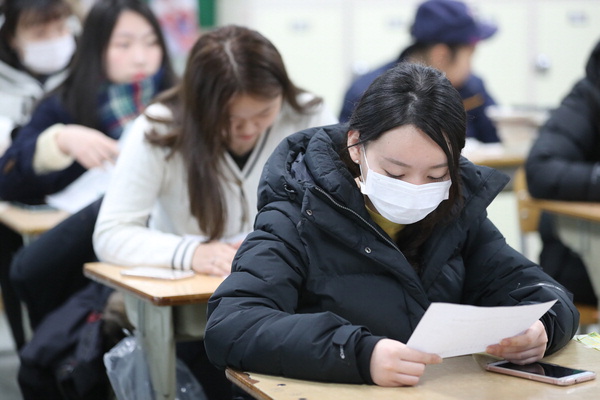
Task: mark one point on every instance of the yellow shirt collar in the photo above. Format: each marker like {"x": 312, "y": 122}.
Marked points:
{"x": 391, "y": 228}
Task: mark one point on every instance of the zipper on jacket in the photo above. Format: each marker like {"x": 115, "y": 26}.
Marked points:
{"x": 362, "y": 219}
{"x": 342, "y": 354}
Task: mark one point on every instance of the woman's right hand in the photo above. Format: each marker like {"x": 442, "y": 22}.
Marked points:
{"x": 213, "y": 258}
{"x": 395, "y": 364}
{"x": 91, "y": 148}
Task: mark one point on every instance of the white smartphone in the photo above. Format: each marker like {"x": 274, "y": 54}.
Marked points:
{"x": 543, "y": 372}
{"x": 157, "y": 273}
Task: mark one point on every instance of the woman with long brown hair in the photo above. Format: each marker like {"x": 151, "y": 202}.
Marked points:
{"x": 187, "y": 177}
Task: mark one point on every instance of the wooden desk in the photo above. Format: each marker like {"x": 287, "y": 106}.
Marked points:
{"x": 162, "y": 311}
{"x": 456, "y": 378}
{"x": 30, "y": 223}
{"x": 583, "y": 210}
{"x": 194, "y": 290}
{"x": 578, "y": 226}
{"x": 495, "y": 155}
{"x": 502, "y": 161}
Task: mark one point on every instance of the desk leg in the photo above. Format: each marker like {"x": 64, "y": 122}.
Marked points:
{"x": 155, "y": 330}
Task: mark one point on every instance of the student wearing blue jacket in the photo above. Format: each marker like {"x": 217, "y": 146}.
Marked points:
{"x": 121, "y": 63}
{"x": 29, "y": 31}
{"x": 445, "y": 36}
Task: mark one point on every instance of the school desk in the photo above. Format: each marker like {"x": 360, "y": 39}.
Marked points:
{"x": 578, "y": 225}
{"x": 503, "y": 161}
{"x": 456, "y": 378}
{"x": 162, "y": 311}
{"x": 498, "y": 157}
{"x": 30, "y": 223}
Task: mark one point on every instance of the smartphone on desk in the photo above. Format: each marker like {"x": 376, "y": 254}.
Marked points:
{"x": 157, "y": 273}
{"x": 543, "y": 372}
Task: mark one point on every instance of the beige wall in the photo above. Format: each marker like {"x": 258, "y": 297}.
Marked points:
{"x": 326, "y": 42}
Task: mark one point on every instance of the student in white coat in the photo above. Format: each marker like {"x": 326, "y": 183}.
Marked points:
{"x": 189, "y": 170}
{"x": 36, "y": 45}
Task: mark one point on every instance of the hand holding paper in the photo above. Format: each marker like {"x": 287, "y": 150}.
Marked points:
{"x": 453, "y": 329}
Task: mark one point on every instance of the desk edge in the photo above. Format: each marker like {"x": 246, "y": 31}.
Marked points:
{"x": 244, "y": 382}
{"x": 157, "y": 301}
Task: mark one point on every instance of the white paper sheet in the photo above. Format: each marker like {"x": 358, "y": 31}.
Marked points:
{"x": 89, "y": 187}
{"x": 451, "y": 330}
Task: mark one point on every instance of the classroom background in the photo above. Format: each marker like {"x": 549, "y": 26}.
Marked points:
{"x": 528, "y": 66}
{"x": 532, "y": 61}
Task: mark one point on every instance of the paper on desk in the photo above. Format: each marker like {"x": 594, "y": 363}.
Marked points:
{"x": 451, "y": 330}
{"x": 89, "y": 187}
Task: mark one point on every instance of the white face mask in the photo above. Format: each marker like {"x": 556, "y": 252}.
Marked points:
{"x": 48, "y": 56}
{"x": 402, "y": 202}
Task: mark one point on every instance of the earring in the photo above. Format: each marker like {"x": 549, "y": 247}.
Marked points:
{"x": 356, "y": 161}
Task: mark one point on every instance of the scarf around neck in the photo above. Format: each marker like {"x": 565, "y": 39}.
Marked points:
{"x": 121, "y": 103}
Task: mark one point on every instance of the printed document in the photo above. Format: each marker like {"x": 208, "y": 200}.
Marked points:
{"x": 451, "y": 330}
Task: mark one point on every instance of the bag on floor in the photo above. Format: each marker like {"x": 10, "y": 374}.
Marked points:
{"x": 129, "y": 376}
{"x": 64, "y": 357}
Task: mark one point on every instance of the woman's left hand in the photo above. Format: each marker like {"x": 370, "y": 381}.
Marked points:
{"x": 522, "y": 349}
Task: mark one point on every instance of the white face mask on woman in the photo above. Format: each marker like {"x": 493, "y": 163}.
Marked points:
{"x": 48, "y": 56}
{"x": 402, "y": 202}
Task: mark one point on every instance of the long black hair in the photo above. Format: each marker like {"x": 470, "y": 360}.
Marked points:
{"x": 79, "y": 92}
{"x": 414, "y": 94}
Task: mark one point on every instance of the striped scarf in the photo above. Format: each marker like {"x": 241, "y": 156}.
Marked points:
{"x": 121, "y": 103}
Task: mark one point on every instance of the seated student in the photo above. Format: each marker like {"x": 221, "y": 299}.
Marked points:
{"x": 29, "y": 30}
{"x": 190, "y": 168}
{"x": 564, "y": 164}
{"x": 36, "y": 45}
{"x": 445, "y": 36}
{"x": 360, "y": 229}
{"x": 120, "y": 65}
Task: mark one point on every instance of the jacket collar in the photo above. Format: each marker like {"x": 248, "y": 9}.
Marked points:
{"x": 307, "y": 164}
{"x": 311, "y": 158}
{"x": 307, "y": 159}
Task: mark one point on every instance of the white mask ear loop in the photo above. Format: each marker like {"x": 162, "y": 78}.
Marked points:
{"x": 363, "y": 179}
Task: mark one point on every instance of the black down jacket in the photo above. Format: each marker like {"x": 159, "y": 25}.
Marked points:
{"x": 564, "y": 161}
{"x": 318, "y": 283}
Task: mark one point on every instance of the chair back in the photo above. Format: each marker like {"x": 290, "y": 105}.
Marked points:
{"x": 529, "y": 216}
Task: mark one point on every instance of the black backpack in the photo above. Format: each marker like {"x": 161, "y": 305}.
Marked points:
{"x": 64, "y": 358}
{"x": 563, "y": 264}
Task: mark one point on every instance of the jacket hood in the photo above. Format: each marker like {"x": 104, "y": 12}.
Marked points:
{"x": 592, "y": 68}
{"x": 311, "y": 158}
{"x": 307, "y": 159}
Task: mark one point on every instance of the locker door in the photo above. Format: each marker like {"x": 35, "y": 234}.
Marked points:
{"x": 307, "y": 33}
{"x": 502, "y": 60}
{"x": 380, "y": 31}
{"x": 567, "y": 32}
